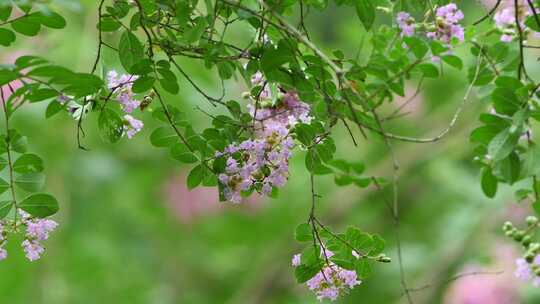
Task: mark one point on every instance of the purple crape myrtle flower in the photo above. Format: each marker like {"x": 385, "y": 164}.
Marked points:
{"x": 37, "y": 230}
{"x": 122, "y": 86}
{"x": 447, "y": 24}
{"x": 332, "y": 281}
{"x": 3, "y": 241}
{"x": 528, "y": 271}
{"x": 132, "y": 126}
{"x": 505, "y": 21}
{"x": 262, "y": 163}
{"x": 406, "y": 24}
{"x": 32, "y": 250}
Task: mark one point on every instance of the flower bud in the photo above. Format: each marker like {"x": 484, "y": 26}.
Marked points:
{"x": 518, "y": 235}
{"x": 507, "y": 226}
{"x": 526, "y": 241}
{"x": 384, "y": 259}
{"x": 532, "y": 220}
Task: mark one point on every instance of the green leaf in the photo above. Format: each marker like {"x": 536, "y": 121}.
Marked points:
{"x": 5, "y": 207}
{"x": 28, "y": 25}
{"x": 531, "y": 163}
{"x": 358, "y": 240}
{"x": 508, "y": 82}
{"x": 453, "y": 61}
{"x": 363, "y": 268}
{"x": 4, "y": 186}
{"x": 181, "y": 153}
{"x": 53, "y": 108}
{"x": 143, "y": 84}
{"x": 304, "y": 272}
{"x": 305, "y": 133}
{"x": 40, "y": 205}
{"x": 163, "y": 137}
{"x": 531, "y": 22}
{"x": 130, "y": 50}
{"x": 28, "y": 163}
{"x": 536, "y": 207}
{"x": 52, "y": 20}
{"x": 18, "y": 143}
{"x": 41, "y": 94}
{"x": 111, "y": 125}
{"x": 303, "y": 233}
{"x": 366, "y": 12}
{"x": 7, "y": 37}
{"x": 195, "y": 177}
{"x": 3, "y": 163}
{"x": 194, "y": 34}
{"x": 489, "y": 183}
{"x": 429, "y": 70}
{"x": 503, "y": 144}
{"x": 5, "y": 12}
{"x": 378, "y": 245}
{"x": 417, "y": 46}
{"x": 30, "y": 181}
{"x": 505, "y": 101}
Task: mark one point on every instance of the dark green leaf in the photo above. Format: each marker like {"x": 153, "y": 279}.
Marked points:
{"x": 130, "y": 50}
{"x": 303, "y": 233}
{"x": 489, "y": 183}
{"x": 365, "y": 9}
{"x": 7, "y": 37}
{"x": 28, "y": 163}
{"x": 40, "y": 205}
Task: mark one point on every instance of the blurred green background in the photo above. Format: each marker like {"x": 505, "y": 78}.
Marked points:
{"x": 130, "y": 231}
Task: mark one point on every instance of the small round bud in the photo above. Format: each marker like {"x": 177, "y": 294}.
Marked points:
{"x": 384, "y": 259}
{"x": 532, "y": 220}
{"x": 526, "y": 241}
{"x": 245, "y": 95}
{"x": 529, "y": 257}
{"x": 507, "y": 226}
{"x": 518, "y": 235}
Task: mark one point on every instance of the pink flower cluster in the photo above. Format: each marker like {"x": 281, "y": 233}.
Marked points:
{"x": 121, "y": 85}
{"x": 262, "y": 163}
{"x": 505, "y": 21}
{"x": 528, "y": 271}
{"x": 332, "y": 281}
{"x": 3, "y": 241}
{"x": 446, "y": 25}
{"x": 406, "y": 24}
{"x": 37, "y": 230}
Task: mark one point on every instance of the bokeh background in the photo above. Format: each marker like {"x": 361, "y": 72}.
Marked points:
{"x": 130, "y": 231}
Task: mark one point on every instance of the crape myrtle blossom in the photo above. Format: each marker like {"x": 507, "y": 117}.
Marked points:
{"x": 445, "y": 28}
{"x": 447, "y": 24}
{"x": 332, "y": 281}
{"x": 121, "y": 85}
{"x": 406, "y": 24}
{"x": 262, "y": 162}
{"x": 505, "y": 21}
{"x": 528, "y": 271}
{"x": 132, "y": 125}
{"x": 3, "y": 241}
{"x": 37, "y": 231}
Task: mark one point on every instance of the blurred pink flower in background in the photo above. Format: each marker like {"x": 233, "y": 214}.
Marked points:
{"x": 190, "y": 206}
{"x": 501, "y": 288}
